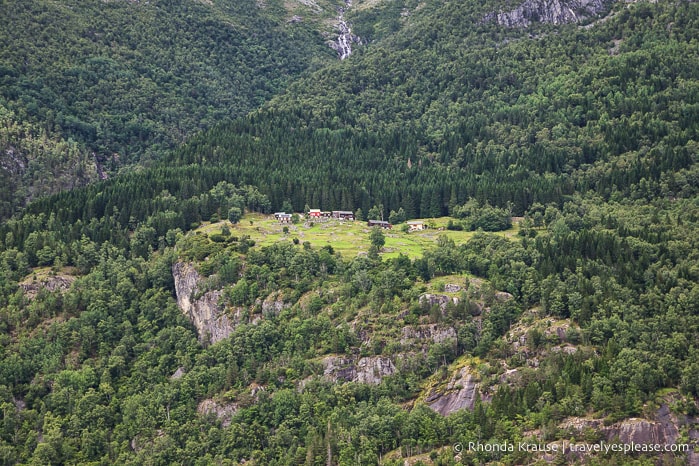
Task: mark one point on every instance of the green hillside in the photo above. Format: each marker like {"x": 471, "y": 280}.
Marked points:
{"x": 163, "y": 317}
{"x": 127, "y": 81}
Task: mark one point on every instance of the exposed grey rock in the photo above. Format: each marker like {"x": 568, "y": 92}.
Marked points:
{"x": 178, "y": 373}
{"x": 561, "y": 333}
{"x": 13, "y": 162}
{"x": 312, "y": 5}
{"x": 223, "y": 411}
{"x": 509, "y": 376}
{"x": 629, "y": 430}
{"x": 372, "y": 370}
{"x": 205, "y": 313}
{"x": 503, "y": 296}
{"x": 138, "y": 443}
{"x": 440, "y": 300}
{"x": 663, "y": 429}
{"x": 549, "y": 11}
{"x": 461, "y": 392}
{"x": 568, "y": 349}
{"x": 19, "y": 403}
{"x": 255, "y": 390}
{"x": 432, "y": 332}
{"x": 339, "y": 368}
{"x": 369, "y": 370}
{"x": 641, "y": 431}
{"x": 50, "y": 283}
{"x": 273, "y": 304}
{"x": 452, "y": 288}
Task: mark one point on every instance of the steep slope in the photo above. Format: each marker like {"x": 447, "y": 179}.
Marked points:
{"x": 34, "y": 163}
{"x": 130, "y": 80}
{"x": 552, "y": 12}
{"x": 489, "y": 112}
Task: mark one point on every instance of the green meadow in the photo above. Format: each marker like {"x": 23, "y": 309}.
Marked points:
{"x": 349, "y": 238}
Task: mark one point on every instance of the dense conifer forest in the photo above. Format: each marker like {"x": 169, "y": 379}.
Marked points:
{"x": 583, "y": 315}
{"x": 123, "y": 82}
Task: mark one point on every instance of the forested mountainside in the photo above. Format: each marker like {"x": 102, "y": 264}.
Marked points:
{"x": 144, "y": 321}
{"x": 125, "y": 81}
{"x": 35, "y": 162}
{"x": 454, "y": 107}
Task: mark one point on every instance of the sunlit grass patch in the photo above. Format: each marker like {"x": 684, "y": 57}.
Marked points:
{"x": 349, "y": 238}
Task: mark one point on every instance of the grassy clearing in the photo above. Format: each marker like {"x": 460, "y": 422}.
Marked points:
{"x": 348, "y": 238}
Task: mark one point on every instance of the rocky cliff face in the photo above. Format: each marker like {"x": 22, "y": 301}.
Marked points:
{"x": 368, "y": 370}
{"x": 549, "y": 11}
{"x": 433, "y": 332}
{"x": 206, "y": 314}
{"x": 460, "y": 392}
{"x": 664, "y": 429}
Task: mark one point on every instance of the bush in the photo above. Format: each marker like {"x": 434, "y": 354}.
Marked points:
{"x": 217, "y": 238}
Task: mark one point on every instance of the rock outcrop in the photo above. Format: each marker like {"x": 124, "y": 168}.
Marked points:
{"x": 478, "y": 300}
{"x": 663, "y": 429}
{"x": 440, "y": 300}
{"x": 434, "y": 332}
{"x": 205, "y": 313}
{"x": 272, "y": 304}
{"x": 452, "y": 288}
{"x": 461, "y": 392}
{"x": 549, "y": 11}
{"x": 369, "y": 370}
{"x": 49, "y": 283}
{"x": 223, "y": 411}
{"x": 178, "y": 374}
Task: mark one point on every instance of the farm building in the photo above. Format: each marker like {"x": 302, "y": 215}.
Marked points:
{"x": 379, "y": 223}
{"x": 416, "y": 225}
{"x": 343, "y": 214}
